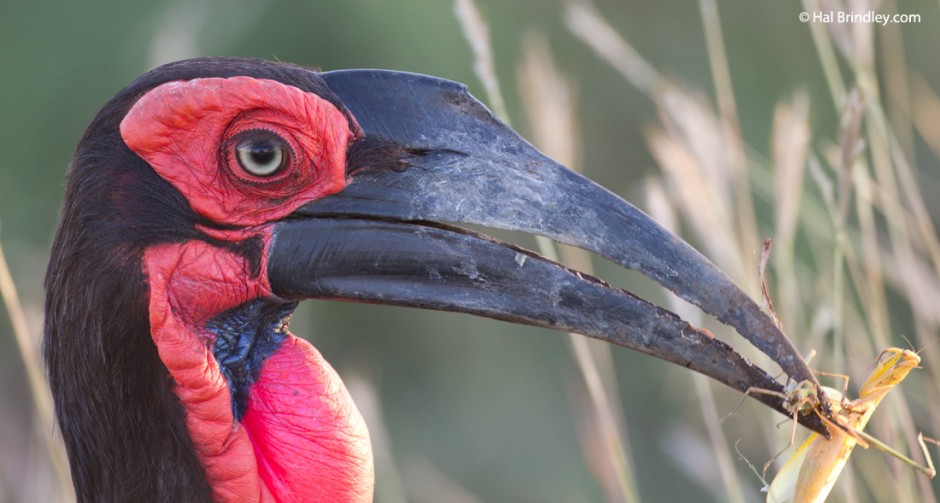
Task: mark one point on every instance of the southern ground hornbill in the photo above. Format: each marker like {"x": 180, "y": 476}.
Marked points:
{"x": 210, "y": 195}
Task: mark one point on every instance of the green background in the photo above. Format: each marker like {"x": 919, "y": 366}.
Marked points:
{"x": 480, "y": 403}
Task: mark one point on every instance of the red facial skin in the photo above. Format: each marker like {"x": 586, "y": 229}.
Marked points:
{"x": 301, "y": 437}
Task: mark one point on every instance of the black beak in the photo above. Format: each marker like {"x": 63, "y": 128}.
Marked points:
{"x": 432, "y": 156}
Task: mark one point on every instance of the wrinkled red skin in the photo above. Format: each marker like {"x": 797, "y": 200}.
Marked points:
{"x": 301, "y": 437}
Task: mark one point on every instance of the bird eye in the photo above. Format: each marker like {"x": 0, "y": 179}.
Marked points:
{"x": 262, "y": 153}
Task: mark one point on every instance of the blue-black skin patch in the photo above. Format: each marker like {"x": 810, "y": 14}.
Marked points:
{"x": 245, "y": 336}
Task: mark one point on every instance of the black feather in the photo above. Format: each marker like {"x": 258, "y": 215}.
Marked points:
{"x": 122, "y": 424}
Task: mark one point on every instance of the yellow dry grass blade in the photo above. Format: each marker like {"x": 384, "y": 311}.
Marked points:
{"x": 811, "y": 472}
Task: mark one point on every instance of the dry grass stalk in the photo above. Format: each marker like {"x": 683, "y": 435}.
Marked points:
{"x": 745, "y": 219}
{"x": 926, "y": 120}
{"x": 879, "y": 231}
{"x": 926, "y": 115}
{"x": 659, "y": 207}
{"x": 477, "y": 34}
{"x": 584, "y": 21}
{"x": 893, "y": 224}
{"x": 762, "y": 268}
{"x": 893, "y": 59}
{"x": 549, "y": 102}
{"x": 849, "y": 149}
{"x": 789, "y": 146}
{"x": 895, "y": 179}
{"x": 616, "y": 475}
{"x": 827, "y": 54}
{"x": 695, "y": 141}
{"x": 39, "y": 388}
{"x": 700, "y": 197}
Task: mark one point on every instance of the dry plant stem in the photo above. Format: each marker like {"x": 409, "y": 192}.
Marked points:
{"x": 789, "y": 146}
{"x": 897, "y": 227}
{"x": 660, "y": 209}
{"x": 885, "y": 181}
{"x": 39, "y": 389}
{"x": 680, "y": 148}
{"x": 926, "y": 125}
{"x": 926, "y": 120}
{"x": 733, "y": 488}
{"x": 918, "y": 214}
{"x": 851, "y": 115}
{"x": 584, "y": 21}
{"x": 603, "y": 416}
{"x": 870, "y": 283}
{"x": 827, "y": 55}
{"x": 549, "y": 102}
{"x": 850, "y": 130}
{"x": 881, "y": 229}
{"x": 894, "y": 60}
{"x": 924, "y": 116}
{"x": 724, "y": 90}
{"x": 867, "y": 275}
{"x": 477, "y": 34}
{"x": 913, "y": 207}
{"x": 764, "y": 257}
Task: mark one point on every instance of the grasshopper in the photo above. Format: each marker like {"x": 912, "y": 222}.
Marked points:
{"x": 811, "y": 472}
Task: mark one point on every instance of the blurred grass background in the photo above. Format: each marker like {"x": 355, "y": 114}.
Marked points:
{"x": 730, "y": 121}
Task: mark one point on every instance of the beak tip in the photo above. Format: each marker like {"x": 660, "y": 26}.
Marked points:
{"x": 482, "y": 172}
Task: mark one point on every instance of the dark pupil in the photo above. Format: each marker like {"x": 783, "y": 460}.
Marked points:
{"x": 261, "y": 153}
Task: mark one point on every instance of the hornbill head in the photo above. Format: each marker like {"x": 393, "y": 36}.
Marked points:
{"x": 210, "y": 195}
